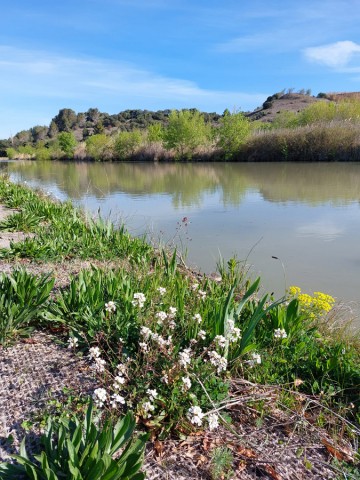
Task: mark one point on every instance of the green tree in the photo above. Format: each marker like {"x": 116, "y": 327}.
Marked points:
{"x": 155, "y": 132}
{"x": 11, "y": 153}
{"x": 186, "y": 132}
{"x": 53, "y": 130}
{"x": 127, "y": 143}
{"x": 65, "y": 119}
{"x": 233, "y": 132}
{"x": 99, "y": 147}
{"x": 67, "y": 143}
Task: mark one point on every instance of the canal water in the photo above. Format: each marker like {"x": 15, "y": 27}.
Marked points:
{"x": 290, "y": 223}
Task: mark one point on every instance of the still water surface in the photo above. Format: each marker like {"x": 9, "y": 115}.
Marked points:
{"x": 306, "y": 215}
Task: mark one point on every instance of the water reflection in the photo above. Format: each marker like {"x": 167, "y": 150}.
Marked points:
{"x": 313, "y": 184}
{"x": 308, "y": 215}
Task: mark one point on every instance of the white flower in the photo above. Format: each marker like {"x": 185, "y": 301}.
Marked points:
{"x": 213, "y": 421}
{"x": 148, "y": 407}
{"x": 187, "y": 383}
{"x": 73, "y": 342}
{"x": 152, "y": 394}
{"x": 146, "y": 332}
{"x": 139, "y": 300}
{"x": 118, "y": 382}
{"x": 161, "y": 316}
{"x": 234, "y": 335}
{"x": 144, "y": 347}
{"x": 218, "y": 361}
{"x": 185, "y": 357}
{"x": 100, "y": 396}
{"x": 165, "y": 379}
{"x": 202, "y": 334}
{"x": 256, "y": 359}
{"x": 172, "y": 324}
{"x": 122, "y": 368}
{"x": 194, "y": 286}
{"x": 94, "y": 352}
{"x": 99, "y": 364}
{"x": 110, "y": 307}
{"x": 161, "y": 290}
{"x": 116, "y": 398}
{"x": 172, "y": 312}
{"x": 195, "y": 415}
{"x": 159, "y": 340}
{"x": 202, "y": 294}
{"x": 280, "y": 333}
{"x": 220, "y": 341}
{"x": 197, "y": 317}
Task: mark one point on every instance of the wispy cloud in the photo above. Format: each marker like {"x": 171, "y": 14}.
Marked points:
{"x": 29, "y": 75}
{"x": 335, "y": 55}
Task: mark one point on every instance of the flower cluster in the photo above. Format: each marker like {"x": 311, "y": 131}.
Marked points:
{"x": 218, "y": 361}
{"x": 213, "y": 421}
{"x": 185, "y": 357}
{"x": 195, "y": 415}
{"x": 280, "y": 333}
{"x": 139, "y": 300}
{"x": 315, "y": 306}
{"x": 100, "y": 397}
{"x": 73, "y": 342}
{"x": 161, "y": 290}
{"x": 148, "y": 334}
{"x": 255, "y": 360}
{"x": 186, "y": 383}
{"x": 233, "y": 333}
{"x": 99, "y": 363}
{"x": 110, "y": 307}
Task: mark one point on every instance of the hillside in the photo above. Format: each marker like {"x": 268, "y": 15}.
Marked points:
{"x": 291, "y": 102}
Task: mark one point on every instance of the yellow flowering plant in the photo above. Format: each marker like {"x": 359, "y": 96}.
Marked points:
{"x": 315, "y": 306}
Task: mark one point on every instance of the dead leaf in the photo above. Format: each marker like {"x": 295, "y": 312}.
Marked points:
{"x": 246, "y": 452}
{"x": 341, "y": 453}
{"x": 272, "y": 472}
{"x": 30, "y": 341}
{"x": 158, "y": 447}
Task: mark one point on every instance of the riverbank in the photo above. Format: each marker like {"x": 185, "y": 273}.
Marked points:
{"x": 276, "y": 399}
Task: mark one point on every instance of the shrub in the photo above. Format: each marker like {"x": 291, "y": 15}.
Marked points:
{"x": 126, "y": 144}
{"x": 233, "y": 132}
{"x": 186, "y": 132}
{"x": 99, "y": 147}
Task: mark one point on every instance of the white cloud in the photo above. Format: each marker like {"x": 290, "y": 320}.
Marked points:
{"x": 335, "y": 55}
{"x": 108, "y": 84}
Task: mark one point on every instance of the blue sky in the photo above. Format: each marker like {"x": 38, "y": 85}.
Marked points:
{"x": 156, "y": 54}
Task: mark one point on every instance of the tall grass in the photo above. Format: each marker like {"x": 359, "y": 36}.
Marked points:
{"x": 335, "y": 141}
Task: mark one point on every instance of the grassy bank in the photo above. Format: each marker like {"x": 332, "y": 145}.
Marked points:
{"x": 172, "y": 346}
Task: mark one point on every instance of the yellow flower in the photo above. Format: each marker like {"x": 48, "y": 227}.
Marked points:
{"x": 294, "y": 291}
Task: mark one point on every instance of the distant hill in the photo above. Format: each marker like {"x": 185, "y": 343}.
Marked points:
{"x": 292, "y": 102}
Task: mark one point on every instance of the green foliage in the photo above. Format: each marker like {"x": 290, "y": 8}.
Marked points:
{"x": 81, "y": 306}
{"x": 76, "y": 449}
{"x": 99, "y": 147}
{"x": 155, "y": 132}
{"x": 22, "y": 300}
{"x": 232, "y": 133}
{"x": 11, "y": 153}
{"x": 186, "y": 132}
{"x": 221, "y": 463}
{"x": 67, "y": 143}
{"x": 126, "y": 144}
